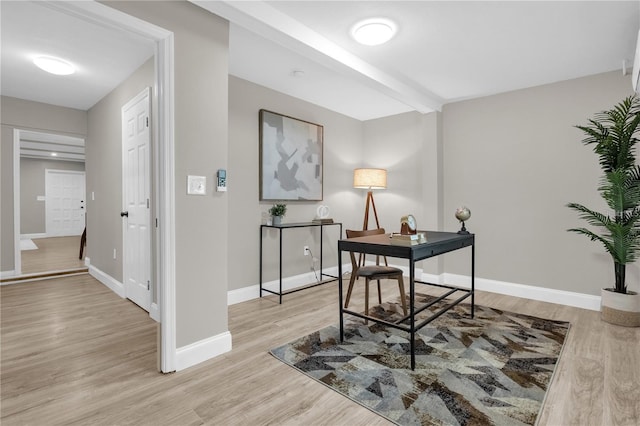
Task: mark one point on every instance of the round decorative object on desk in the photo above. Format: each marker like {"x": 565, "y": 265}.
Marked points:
{"x": 322, "y": 212}
{"x": 463, "y": 214}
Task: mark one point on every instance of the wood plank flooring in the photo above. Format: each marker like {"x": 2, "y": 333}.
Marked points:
{"x": 74, "y": 353}
{"x": 53, "y": 254}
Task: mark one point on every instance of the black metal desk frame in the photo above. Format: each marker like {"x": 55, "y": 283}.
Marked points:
{"x": 437, "y": 243}
{"x": 282, "y": 227}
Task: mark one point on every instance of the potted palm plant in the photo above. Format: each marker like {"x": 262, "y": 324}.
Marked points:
{"x": 613, "y": 136}
{"x": 277, "y": 211}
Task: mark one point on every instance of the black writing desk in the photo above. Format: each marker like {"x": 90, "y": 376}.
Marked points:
{"x": 437, "y": 243}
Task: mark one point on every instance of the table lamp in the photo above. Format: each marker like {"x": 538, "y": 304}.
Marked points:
{"x": 370, "y": 179}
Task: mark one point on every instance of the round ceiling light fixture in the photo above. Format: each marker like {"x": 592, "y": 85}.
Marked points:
{"x": 374, "y": 31}
{"x": 53, "y": 65}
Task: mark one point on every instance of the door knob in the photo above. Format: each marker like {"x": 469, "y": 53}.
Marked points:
{"x": 122, "y": 214}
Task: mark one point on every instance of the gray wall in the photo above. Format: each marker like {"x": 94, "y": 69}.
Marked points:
{"x": 201, "y": 138}
{"x": 103, "y": 149}
{"x": 409, "y": 146}
{"x": 342, "y": 152}
{"x": 27, "y": 115}
{"x": 32, "y": 185}
{"x": 515, "y": 160}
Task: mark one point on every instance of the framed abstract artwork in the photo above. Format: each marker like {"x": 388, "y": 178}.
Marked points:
{"x": 290, "y": 158}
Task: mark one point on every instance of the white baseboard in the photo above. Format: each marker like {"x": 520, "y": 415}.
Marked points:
{"x": 562, "y": 297}
{"x": 543, "y": 294}
{"x": 31, "y": 236}
{"x": 195, "y": 353}
{"x": 154, "y": 312}
{"x": 7, "y": 274}
{"x": 253, "y": 292}
{"x": 116, "y": 286}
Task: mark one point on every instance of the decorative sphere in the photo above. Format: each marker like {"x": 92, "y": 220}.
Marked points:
{"x": 463, "y": 214}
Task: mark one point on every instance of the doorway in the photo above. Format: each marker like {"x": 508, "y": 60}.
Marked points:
{"x": 50, "y": 188}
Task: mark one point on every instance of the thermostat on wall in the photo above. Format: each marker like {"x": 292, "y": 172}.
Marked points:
{"x": 196, "y": 185}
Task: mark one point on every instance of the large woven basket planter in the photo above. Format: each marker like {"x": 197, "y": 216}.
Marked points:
{"x": 620, "y": 309}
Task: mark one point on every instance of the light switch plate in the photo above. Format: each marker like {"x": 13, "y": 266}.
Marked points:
{"x": 196, "y": 185}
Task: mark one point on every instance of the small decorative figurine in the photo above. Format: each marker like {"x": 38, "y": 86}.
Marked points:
{"x": 463, "y": 214}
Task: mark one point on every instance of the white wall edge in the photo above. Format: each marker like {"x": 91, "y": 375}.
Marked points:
{"x": 116, "y": 286}
{"x": 253, "y": 291}
{"x": 195, "y": 353}
{"x": 154, "y": 312}
{"x": 543, "y": 294}
{"x": 39, "y": 278}
{"x": 7, "y": 274}
{"x": 561, "y": 297}
{"x": 30, "y": 236}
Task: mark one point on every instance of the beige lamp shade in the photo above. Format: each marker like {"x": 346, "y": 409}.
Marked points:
{"x": 370, "y": 178}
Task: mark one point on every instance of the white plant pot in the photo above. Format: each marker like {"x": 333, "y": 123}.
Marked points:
{"x": 620, "y": 309}
{"x": 277, "y": 220}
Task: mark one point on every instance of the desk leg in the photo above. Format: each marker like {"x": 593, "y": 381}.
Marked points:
{"x": 280, "y": 260}
{"x": 473, "y": 276}
{"x": 261, "y": 261}
{"x": 321, "y": 232}
{"x": 412, "y": 323}
{"x": 340, "y": 295}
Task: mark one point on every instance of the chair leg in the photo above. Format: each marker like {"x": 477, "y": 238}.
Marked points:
{"x": 379, "y": 294}
{"x": 402, "y": 295}
{"x": 366, "y": 300}
{"x": 351, "y": 282}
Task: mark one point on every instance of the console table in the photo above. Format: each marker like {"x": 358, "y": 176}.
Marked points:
{"x": 280, "y": 229}
{"x": 437, "y": 243}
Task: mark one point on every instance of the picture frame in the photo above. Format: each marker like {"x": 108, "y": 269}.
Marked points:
{"x": 291, "y": 158}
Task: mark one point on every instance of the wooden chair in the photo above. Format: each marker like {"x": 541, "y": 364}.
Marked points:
{"x": 375, "y": 272}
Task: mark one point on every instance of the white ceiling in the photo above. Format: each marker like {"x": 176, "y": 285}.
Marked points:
{"x": 103, "y": 56}
{"x": 443, "y": 52}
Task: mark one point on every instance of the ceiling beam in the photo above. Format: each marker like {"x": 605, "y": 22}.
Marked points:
{"x": 268, "y": 22}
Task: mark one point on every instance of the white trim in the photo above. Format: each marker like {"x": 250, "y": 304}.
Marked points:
{"x": 32, "y": 236}
{"x": 195, "y": 353}
{"x": 7, "y": 274}
{"x": 543, "y": 294}
{"x": 154, "y": 312}
{"x": 166, "y": 201}
{"x": 17, "y": 253}
{"x": 37, "y": 277}
{"x": 116, "y": 286}
{"x": 561, "y": 297}
{"x": 165, "y": 189}
{"x": 253, "y": 292}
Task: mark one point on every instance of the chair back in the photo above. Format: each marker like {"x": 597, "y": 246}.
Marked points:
{"x": 355, "y": 234}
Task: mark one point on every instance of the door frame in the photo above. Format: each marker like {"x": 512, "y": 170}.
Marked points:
{"x": 163, "y": 157}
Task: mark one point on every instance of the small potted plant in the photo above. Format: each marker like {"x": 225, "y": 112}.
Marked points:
{"x": 277, "y": 211}
{"x": 613, "y": 136}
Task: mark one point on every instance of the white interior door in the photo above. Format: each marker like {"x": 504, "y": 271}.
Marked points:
{"x": 136, "y": 204}
{"x": 64, "y": 205}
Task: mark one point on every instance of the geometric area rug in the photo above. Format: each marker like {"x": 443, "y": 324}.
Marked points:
{"x": 494, "y": 369}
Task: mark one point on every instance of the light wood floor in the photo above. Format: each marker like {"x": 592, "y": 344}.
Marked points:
{"x": 53, "y": 254}
{"x": 75, "y": 353}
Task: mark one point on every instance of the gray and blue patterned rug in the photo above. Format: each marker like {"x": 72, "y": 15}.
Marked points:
{"x": 491, "y": 370}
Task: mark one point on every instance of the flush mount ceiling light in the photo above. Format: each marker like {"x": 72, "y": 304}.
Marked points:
{"x": 374, "y": 31}
{"x": 53, "y": 65}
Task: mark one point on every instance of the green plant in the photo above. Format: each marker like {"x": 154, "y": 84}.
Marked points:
{"x": 278, "y": 210}
{"x": 613, "y": 136}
